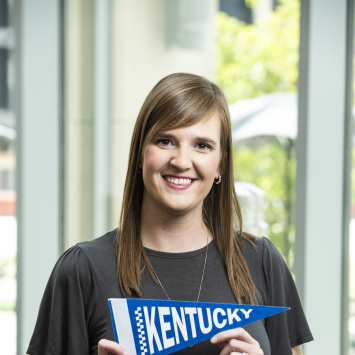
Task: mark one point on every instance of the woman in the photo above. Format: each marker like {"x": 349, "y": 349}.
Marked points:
{"x": 175, "y": 239}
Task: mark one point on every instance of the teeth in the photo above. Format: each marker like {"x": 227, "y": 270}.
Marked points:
{"x": 177, "y": 181}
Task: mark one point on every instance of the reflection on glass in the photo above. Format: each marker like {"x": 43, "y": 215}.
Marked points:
{"x": 352, "y": 251}
{"x": 352, "y": 270}
{"x": 352, "y": 239}
{"x": 257, "y": 67}
{"x": 8, "y": 223}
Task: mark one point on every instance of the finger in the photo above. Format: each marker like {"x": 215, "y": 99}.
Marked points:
{"x": 229, "y": 349}
{"x": 237, "y": 333}
{"x": 222, "y": 345}
{"x": 107, "y": 347}
{"x": 243, "y": 347}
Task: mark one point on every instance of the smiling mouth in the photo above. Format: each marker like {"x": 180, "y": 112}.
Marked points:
{"x": 177, "y": 181}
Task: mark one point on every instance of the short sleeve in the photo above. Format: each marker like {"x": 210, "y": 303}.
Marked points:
{"x": 287, "y": 329}
{"x": 67, "y": 310}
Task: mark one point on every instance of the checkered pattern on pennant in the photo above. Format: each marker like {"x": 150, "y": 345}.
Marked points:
{"x": 141, "y": 332}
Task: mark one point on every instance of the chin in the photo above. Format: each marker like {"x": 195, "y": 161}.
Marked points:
{"x": 179, "y": 208}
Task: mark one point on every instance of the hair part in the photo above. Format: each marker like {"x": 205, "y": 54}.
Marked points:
{"x": 182, "y": 100}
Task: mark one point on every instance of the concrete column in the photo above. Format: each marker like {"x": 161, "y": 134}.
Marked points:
{"x": 88, "y": 119}
{"x": 38, "y": 98}
{"x": 79, "y": 120}
{"x": 102, "y": 125}
{"x": 321, "y": 169}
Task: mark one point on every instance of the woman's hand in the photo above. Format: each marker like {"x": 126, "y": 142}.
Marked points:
{"x": 108, "y": 347}
{"x": 236, "y": 342}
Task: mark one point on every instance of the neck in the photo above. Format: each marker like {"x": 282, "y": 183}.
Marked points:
{"x": 164, "y": 231}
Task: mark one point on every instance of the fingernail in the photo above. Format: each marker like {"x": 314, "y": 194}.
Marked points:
{"x": 125, "y": 353}
{"x": 213, "y": 339}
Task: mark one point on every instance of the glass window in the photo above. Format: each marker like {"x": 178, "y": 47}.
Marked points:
{"x": 352, "y": 242}
{"x": 257, "y": 67}
{"x": 8, "y": 223}
{"x": 255, "y": 63}
{"x": 143, "y": 43}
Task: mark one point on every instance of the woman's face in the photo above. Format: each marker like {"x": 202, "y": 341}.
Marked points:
{"x": 179, "y": 166}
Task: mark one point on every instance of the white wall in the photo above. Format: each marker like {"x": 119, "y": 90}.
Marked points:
{"x": 140, "y": 60}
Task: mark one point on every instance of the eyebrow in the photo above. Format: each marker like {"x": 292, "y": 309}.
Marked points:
{"x": 196, "y": 138}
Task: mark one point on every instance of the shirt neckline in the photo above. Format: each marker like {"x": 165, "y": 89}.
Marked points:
{"x": 188, "y": 254}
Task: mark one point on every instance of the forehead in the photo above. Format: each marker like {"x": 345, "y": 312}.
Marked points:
{"x": 208, "y": 127}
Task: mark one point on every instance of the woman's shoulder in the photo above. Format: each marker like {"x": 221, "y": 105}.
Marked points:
{"x": 261, "y": 250}
{"x": 253, "y": 248}
{"x": 268, "y": 268}
{"x": 266, "y": 264}
{"x": 104, "y": 246}
{"x": 71, "y": 302}
{"x": 84, "y": 259}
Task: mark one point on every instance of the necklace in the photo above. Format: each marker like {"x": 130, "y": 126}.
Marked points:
{"x": 203, "y": 272}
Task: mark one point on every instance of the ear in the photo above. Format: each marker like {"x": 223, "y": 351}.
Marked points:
{"x": 218, "y": 172}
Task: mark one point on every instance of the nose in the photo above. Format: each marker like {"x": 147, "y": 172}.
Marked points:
{"x": 181, "y": 159}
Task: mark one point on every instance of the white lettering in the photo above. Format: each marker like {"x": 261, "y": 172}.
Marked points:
{"x": 151, "y": 330}
{"x": 179, "y": 322}
{"x": 191, "y": 311}
{"x": 165, "y": 326}
{"x": 233, "y": 315}
{"x": 215, "y": 318}
{"x": 205, "y": 330}
{"x": 246, "y": 313}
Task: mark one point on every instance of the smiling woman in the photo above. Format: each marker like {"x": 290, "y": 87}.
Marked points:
{"x": 176, "y": 239}
{"x": 186, "y": 162}
{"x": 182, "y": 114}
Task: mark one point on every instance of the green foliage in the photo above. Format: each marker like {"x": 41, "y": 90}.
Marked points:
{"x": 252, "y": 3}
{"x": 265, "y": 167}
{"x": 352, "y": 282}
{"x": 7, "y": 305}
{"x": 254, "y": 60}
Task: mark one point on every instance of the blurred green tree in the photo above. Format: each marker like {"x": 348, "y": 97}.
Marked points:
{"x": 266, "y": 167}
{"x": 261, "y": 58}
{"x": 254, "y": 60}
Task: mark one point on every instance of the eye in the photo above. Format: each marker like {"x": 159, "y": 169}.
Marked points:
{"x": 203, "y": 146}
{"x": 164, "y": 142}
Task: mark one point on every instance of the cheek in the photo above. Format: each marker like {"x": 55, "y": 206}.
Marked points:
{"x": 153, "y": 160}
{"x": 208, "y": 166}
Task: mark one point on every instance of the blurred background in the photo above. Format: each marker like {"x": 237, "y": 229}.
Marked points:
{"x": 73, "y": 76}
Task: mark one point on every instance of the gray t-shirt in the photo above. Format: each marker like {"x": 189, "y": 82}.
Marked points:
{"x": 74, "y": 313}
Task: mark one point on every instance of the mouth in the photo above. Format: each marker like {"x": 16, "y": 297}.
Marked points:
{"x": 178, "y": 181}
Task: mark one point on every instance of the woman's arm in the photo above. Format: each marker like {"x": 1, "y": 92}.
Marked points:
{"x": 297, "y": 350}
{"x": 228, "y": 341}
{"x": 241, "y": 341}
{"x": 108, "y": 347}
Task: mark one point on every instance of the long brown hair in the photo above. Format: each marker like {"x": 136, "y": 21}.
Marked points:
{"x": 181, "y": 100}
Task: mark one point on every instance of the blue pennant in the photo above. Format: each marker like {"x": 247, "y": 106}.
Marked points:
{"x": 147, "y": 327}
